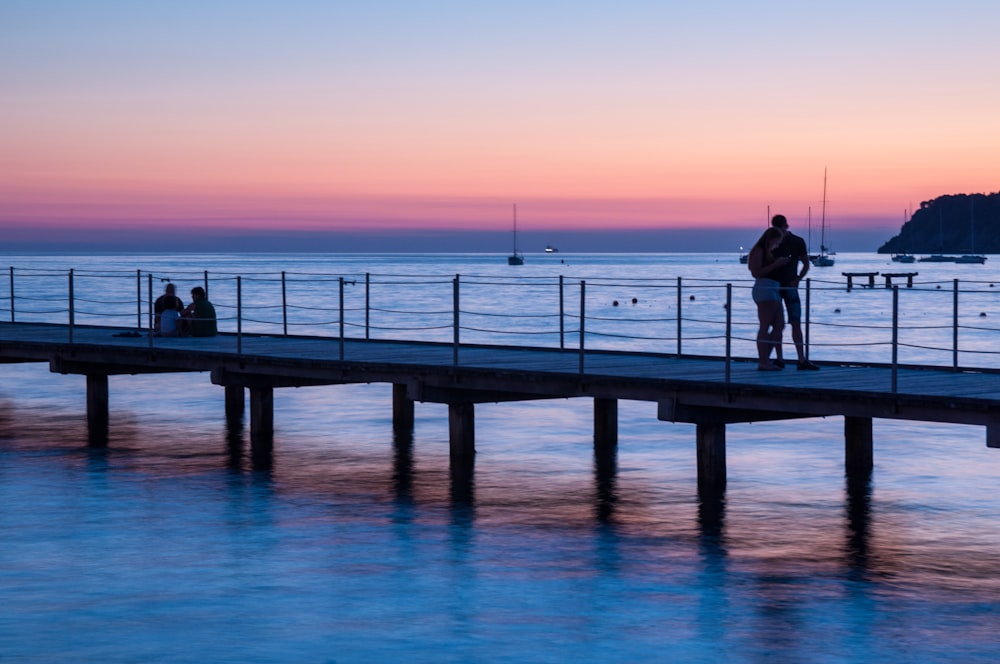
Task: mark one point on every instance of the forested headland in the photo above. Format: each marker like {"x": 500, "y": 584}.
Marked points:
{"x": 952, "y": 224}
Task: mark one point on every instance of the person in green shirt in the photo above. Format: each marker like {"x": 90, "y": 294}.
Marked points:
{"x": 200, "y": 315}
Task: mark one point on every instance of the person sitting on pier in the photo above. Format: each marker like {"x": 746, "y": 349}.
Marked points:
{"x": 767, "y": 295}
{"x": 166, "y": 310}
{"x": 200, "y": 315}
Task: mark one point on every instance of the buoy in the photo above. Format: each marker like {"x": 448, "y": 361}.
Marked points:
{"x": 836, "y": 311}
{"x": 691, "y": 297}
{"x": 615, "y": 303}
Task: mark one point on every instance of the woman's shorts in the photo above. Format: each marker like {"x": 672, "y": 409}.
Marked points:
{"x": 766, "y": 290}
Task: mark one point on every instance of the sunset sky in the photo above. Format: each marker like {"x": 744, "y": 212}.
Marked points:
{"x": 404, "y": 116}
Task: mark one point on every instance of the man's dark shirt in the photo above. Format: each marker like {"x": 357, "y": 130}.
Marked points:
{"x": 794, "y": 247}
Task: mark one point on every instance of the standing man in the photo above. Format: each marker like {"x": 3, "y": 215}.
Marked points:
{"x": 789, "y": 277}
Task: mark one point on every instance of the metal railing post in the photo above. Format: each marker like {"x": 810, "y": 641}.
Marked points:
{"x": 583, "y": 320}
{"x": 239, "y": 315}
{"x": 895, "y": 336}
{"x": 729, "y": 329}
{"x": 284, "y": 305}
{"x": 138, "y": 299}
{"x": 455, "y": 319}
{"x": 678, "y": 316}
{"x": 808, "y": 305}
{"x": 954, "y": 326}
{"x": 71, "y": 312}
{"x": 206, "y": 284}
{"x": 341, "y": 279}
{"x": 368, "y": 305}
{"x": 11, "y": 293}
{"x": 149, "y": 305}
{"x": 562, "y": 317}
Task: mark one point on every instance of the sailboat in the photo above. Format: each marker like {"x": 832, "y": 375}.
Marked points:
{"x": 905, "y": 257}
{"x": 973, "y": 257}
{"x": 939, "y": 258}
{"x": 515, "y": 258}
{"x": 823, "y": 259}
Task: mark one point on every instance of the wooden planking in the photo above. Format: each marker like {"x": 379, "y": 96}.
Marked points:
{"x": 625, "y": 374}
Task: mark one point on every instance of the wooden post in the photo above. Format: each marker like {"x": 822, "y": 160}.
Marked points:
{"x": 858, "y": 457}
{"x": 605, "y": 426}
{"x": 235, "y": 400}
{"x": 97, "y": 410}
{"x": 462, "y": 430}
{"x": 711, "y": 459}
{"x": 993, "y": 435}
{"x": 402, "y": 409}
{"x": 261, "y": 426}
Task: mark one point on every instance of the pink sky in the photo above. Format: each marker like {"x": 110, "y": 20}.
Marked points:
{"x": 633, "y": 115}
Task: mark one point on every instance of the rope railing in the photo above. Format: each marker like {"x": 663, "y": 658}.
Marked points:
{"x": 700, "y": 316}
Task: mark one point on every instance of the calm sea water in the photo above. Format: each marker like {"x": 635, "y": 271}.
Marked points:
{"x": 355, "y": 546}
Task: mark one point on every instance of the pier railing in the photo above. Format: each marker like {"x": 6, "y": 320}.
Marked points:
{"x": 947, "y": 324}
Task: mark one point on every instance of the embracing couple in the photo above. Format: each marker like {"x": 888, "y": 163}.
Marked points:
{"x": 774, "y": 263}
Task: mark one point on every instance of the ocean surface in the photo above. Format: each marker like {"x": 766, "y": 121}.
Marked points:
{"x": 355, "y": 546}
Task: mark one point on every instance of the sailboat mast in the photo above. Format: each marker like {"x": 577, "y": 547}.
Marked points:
{"x": 515, "y": 229}
{"x": 972, "y": 223}
{"x": 822, "y": 223}
{"x": 809, "y": 216}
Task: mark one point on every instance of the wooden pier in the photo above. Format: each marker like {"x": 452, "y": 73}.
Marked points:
{"x": 709, "y": 392}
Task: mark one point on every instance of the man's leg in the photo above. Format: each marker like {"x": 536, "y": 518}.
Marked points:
{"x": 797, "y": 340}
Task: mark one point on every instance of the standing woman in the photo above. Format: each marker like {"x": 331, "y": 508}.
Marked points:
{"x": 767, "y": 296}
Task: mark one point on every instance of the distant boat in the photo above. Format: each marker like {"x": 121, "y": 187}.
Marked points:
{"x": 939, "y": 258}
{"x": 904, "y": 257}
{"x": 744, "y": 257}
{"x": 823, "y": 258}
{"x": 973, "y": 257}
{"x": 549, "y": 249}
{"x": 515, "y": 258}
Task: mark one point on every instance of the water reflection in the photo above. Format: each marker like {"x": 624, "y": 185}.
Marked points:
{"x": 858, "y": 512}
{"x": 463, "y": 493}
{"x": 402, "y": 465}
{"x": 234, "y": 439}
{"x": 605, "y": 480}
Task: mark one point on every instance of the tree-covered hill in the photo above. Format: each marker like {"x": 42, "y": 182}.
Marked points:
{"x": 953, "y": 224}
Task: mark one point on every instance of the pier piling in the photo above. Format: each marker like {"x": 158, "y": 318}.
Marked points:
{"x": 402, "y": 409}
{"x": 97, "y": 410}
{"x": 711, "y": 459}
{"x": 462, "y": 429}
{"x": 858, "y": 456}
{"x": 261, "y": 426}
{"x": 605, "y": 425}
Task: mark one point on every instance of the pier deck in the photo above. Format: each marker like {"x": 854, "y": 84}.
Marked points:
{"x": 707, "y": 391}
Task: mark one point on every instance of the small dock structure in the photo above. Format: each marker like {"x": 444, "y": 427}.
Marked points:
{"x": 868, "y": 276}
{"x": 889, "y": 276}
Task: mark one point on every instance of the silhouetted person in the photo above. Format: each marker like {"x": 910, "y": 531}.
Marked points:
{"x": 763, "y": 265}
{"x": 789, "y": 276}
{"x": 200, "y": 315}
{"x": 166, "y": 310}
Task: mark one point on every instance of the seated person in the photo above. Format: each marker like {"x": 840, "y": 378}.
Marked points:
{"x": 200, "y": 315}
{"x": 166, "y": 310}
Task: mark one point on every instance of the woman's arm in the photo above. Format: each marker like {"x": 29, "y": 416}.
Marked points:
{"x": 756, "y": 264}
